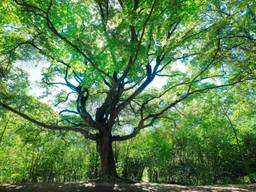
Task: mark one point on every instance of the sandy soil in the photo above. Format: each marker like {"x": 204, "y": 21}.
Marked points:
{"x": 107, "y": 187}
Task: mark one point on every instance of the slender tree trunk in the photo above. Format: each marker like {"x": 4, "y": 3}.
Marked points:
{"x": 105, "y": 150}
{"x": 3, "y": 132}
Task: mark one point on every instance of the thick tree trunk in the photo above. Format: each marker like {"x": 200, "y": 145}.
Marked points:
{"x": 105, "y": 150}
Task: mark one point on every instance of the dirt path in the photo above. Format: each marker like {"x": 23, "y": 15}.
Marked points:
{"x": 137, "y": 187}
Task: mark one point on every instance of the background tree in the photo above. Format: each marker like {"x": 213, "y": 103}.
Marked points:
{"x": 109, "y": 52}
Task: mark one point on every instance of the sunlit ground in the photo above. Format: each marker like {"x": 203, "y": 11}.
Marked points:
{"x": 137, "y": 187}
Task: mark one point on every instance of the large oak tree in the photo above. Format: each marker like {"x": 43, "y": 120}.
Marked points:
{"x": 108, "y": 52}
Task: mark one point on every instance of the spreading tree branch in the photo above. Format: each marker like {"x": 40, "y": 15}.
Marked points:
{"x": 150, "y": 77}
{"x": 80, "y": 130}
{"x": 158, "y": 115}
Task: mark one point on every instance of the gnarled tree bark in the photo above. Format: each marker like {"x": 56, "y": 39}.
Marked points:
{"x": 105, "y": 150}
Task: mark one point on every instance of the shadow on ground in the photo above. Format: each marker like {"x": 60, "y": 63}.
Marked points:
{"x": 137, "y": 187}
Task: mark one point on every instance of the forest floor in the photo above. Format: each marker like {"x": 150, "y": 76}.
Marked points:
{"x": 137, "y": 187}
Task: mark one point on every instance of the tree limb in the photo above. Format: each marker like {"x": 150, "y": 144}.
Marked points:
{"x": 80, "y": 130}
{"x": 153, "y": 117}
{"x": 133, "y": 59}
